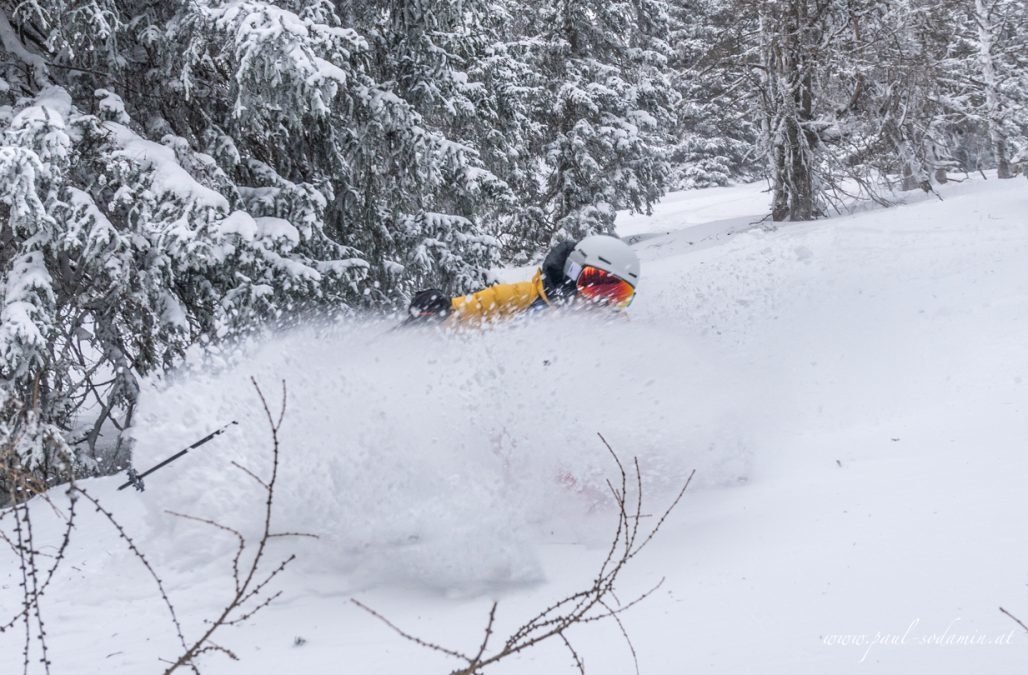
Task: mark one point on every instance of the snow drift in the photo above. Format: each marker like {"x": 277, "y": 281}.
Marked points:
{"x": 438, "y": 458}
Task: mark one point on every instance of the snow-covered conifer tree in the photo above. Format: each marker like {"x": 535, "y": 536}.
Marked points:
{"x": 604, "y": 101}
{"x": 713, "y": 140}
{"x": 125, "y": 242}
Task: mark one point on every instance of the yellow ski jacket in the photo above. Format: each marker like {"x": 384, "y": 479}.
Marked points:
{"x": 500, "y": 301}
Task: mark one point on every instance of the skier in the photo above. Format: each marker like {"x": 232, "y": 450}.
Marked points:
{"x": 598, "y": 270}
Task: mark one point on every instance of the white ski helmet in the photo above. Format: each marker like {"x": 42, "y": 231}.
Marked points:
{"x": 609, "y": 254}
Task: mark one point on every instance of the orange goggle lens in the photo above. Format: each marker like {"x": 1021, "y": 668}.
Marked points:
{"x": 603, "y": 287}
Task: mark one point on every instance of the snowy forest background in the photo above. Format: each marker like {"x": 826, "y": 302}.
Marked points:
{"x": 179, "y": 172}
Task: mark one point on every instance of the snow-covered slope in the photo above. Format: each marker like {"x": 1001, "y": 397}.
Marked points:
{"x": 852, "y": 393}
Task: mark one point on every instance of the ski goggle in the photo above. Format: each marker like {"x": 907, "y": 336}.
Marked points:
{"x": 603, "y": 287}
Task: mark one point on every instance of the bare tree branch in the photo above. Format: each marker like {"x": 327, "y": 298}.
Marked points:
{"x": 1018, "y": 621}
{"x": 595, "y": 602}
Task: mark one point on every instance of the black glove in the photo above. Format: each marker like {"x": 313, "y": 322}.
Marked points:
{"x": 429, "y": 305}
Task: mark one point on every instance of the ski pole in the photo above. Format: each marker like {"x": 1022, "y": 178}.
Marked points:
{"x": 136, "y": 479}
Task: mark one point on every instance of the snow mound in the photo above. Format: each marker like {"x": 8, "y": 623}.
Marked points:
{"x": 436, "y": 459}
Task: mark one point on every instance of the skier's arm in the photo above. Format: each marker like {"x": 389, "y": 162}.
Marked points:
{"x": 485, "y": 305}
{"x": 481, "y": 306}
{"x": 494, "y": 302}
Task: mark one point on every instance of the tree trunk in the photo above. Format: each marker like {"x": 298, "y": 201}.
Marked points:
{"x": 983, "y": 10}
{"x": 791, "y": 104}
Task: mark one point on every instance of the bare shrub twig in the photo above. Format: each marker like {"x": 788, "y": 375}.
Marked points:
{"x": 253, "y": 579}
{"x": 1016, "y": 620}
{"x": 594, "y": 602}
{"x": 21, "y": 484}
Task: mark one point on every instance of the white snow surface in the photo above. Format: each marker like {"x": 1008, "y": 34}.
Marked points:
{"x": 851, "y": 392}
